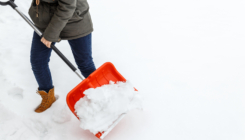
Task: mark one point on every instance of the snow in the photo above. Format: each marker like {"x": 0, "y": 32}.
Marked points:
{"x": 185, "y": 57}
{"x": 61, "y": 115}
{"x": 16, "y": 93}
{"x": 103, "y": 105}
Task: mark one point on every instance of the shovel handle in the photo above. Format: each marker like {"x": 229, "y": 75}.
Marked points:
{"x": 10, "y": 2}
{"x": 63, "y": 58}
{"x": 3, "y": 3}
{"x": 40, "y": 34}
{"x": 66, "y": 61}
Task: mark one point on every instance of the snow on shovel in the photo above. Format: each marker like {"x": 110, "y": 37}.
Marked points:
{"x": 103, "y": 75}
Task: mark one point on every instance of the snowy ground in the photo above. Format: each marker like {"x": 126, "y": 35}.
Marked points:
{"x": 185, "y": 57}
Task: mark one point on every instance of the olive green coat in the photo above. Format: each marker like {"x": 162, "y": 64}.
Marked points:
{"x": 62, "y": 19}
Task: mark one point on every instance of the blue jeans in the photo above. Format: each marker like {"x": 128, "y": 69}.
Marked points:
{"x": 40, "y": 56}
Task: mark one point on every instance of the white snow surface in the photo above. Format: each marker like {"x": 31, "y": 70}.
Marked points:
{"x": 102, "y": 106}
{"x": 186, "y": 57}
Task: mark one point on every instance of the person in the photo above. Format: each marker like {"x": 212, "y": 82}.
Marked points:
{"x": 59, "y": 20}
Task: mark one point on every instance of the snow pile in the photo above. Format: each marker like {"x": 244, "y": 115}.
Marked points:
{"x": 103, "y": 105}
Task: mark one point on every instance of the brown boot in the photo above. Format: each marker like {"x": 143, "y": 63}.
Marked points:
{"x": 47, "y": 100}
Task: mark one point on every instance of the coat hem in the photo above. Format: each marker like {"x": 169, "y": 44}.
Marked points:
{"x": 78, "y": 36}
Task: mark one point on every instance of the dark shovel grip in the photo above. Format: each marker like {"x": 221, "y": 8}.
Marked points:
{"x": 4, "y": 3}
{"x": 10, "y": 2}
{"x": 63, "y": 58}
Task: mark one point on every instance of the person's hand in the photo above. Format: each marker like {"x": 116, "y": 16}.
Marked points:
{"x": 46, "y": 42}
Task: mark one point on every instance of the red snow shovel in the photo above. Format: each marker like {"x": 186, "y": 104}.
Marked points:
{"x": 107, "y": 72}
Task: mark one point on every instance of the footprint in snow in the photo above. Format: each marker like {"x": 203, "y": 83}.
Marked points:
{"x": 61, "y": 115}
{"x": 16, "y": 93}
{"x": 37, "y": 127}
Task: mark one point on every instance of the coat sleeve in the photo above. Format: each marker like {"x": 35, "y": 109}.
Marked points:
{"x": 63, "y": 13}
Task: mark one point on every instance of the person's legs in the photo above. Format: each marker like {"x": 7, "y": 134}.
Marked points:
{"x": 40, "y": 56}
{"x": 82, "y": 51}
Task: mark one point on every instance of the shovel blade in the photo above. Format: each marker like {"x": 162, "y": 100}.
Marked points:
{"x": 102, "y": 76}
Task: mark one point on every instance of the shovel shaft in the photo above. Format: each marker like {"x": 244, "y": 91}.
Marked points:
{"x": 28, "y": 21}
{"x": 74, "y": 69}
